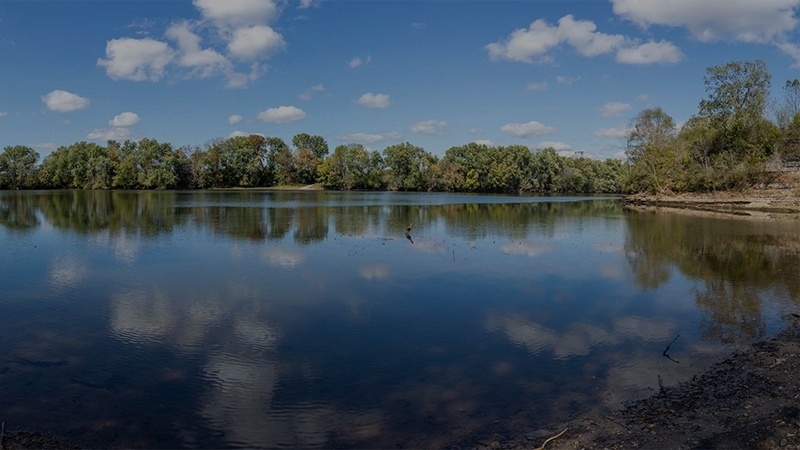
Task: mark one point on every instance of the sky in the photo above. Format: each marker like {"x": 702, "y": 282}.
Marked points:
{"x": 436, "y": 73}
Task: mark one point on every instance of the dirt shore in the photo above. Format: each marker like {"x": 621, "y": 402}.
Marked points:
{"x": 762, "y": 203}
{"x": 749, "y": 400}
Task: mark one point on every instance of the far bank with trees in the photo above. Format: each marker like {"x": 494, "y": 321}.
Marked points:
{"x": 734, "y": 142}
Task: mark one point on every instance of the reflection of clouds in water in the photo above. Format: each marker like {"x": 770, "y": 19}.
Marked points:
{"x": 240, "y": 403}
{"x": 530, "y": 249}
{"x": 257, "y": 334}
{"x": 242, "y": 369}
{"x": 611, "y": 271}
{"x": 236, "y": 252}
{"x": 124, "y": 248}
{"x": 374, "y": 272}
{"x": 240, "y": 396}
{"x": 141, "y": 316}
{"x": 580, "y": 338}
{"x": 285, "y": 258}
{"x": 67, "y": 272}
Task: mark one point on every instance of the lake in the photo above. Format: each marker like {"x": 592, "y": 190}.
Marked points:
{"x": 279, "y": 319}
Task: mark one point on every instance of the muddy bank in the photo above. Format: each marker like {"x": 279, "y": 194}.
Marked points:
{"x": 751, "y": 399}
{"x": 25, "y": 440}
{"x": 766, "y": 202}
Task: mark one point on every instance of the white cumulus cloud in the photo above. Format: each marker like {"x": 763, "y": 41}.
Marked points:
{"x": 613, "y": 133}
{"x": 63, "y": 101}
{"x": 662, "y": 52}
{"x": 527, "y": 45}
{"x": 485, "y": 142}
{"x": 371, "y": 100}
{"x": 557, "y": 146}
{"x": 258, "y": 41}
{"x": 234, "y": 119}
{"x": 309, "y": 93}
{"x": 136, "y": 59}
{"x": 237, "y": 12}
{"x": 202, "y": 63}
{"x": 3, "y": 113}
{"x": 429, "y": 127}
{"x": 305, "y": 4}
{"x": 238, "y": 133}
{"x": 357, "y": 61}
{"x": 532, "y": 128}
{"x": 126, "y": 119}
{"x": 111, "y": 134}
{"x": 532, "y": 44}
{"x": 563, "y": 79}
{"x": 615, "y": 109}
{"x": 240, "y": 25}
{"x": 711, "y": 20}
{"x": 394, "y": 135}
{"x": 282, "y": 114}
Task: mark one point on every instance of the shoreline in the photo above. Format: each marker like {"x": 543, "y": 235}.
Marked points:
{"x": 761, "y": 203}
{"x": 749, "y": 399}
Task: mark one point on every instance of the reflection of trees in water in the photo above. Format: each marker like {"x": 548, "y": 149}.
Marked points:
{"x": 311, "y": 225}
{"x": 355, "y": 220}
{"x": 735, "y": 263}
{"x": 234, "y": 221}
{"x": 149, "y": 214}
{"x": 264, "y": 215}
{"x": 280, "y": 222}
{"x": 18, "y": 212}
{"x": 735, "y": 310}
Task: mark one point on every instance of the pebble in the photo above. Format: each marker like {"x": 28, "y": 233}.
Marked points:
{"x": 784, "y": 442}
{"x": 495, "y": 445}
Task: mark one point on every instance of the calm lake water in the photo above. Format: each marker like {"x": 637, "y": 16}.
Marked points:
{"x": 308, "y": 319}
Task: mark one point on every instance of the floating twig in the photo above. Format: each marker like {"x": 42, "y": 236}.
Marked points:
{"x": 667, "y": 349}
{"x": 547, "y": 441}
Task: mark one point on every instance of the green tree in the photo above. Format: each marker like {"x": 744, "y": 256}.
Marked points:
{"x": 405, "y": 167}
{"x": 280, "y": 161}
{"x": 738, "y": 91}
{"x": 316, "y": 144}
{"x": 650, "y": 149}
{"x": 159, "y": 164}
{"x": 18, "y": 167}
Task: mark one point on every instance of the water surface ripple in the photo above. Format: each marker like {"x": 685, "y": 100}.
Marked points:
{"x": 232, "y": 319}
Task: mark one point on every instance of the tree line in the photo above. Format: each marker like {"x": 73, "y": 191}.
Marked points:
{"x": 730, "y": 143}
{"x": 257, "y": 161}
{"x": 737, "y": 138}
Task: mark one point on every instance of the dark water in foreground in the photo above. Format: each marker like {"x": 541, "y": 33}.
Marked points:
{"x": 307, "y": 319}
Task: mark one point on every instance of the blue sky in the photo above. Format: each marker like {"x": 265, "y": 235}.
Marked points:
{"x": 435, "y": 73}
